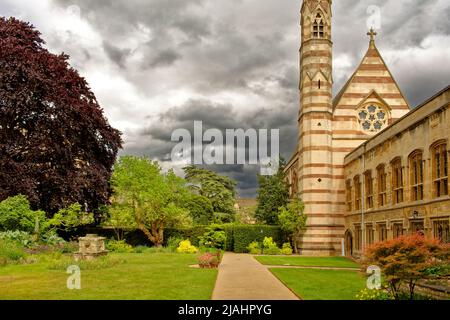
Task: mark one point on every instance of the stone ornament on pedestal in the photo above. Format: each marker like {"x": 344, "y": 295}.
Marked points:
{"x": 90, "y": 247}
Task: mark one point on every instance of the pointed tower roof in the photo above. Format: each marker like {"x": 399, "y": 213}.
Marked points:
{"x": 372, "y": 75}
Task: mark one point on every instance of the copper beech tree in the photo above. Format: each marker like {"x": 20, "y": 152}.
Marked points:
{"x": 406, "y": 259}
{"x": 56, "y": 146}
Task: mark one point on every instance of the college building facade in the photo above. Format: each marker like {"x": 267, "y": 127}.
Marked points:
{"x": 346, "y": 142}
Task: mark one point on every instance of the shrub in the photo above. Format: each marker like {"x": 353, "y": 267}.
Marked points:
{"x": 16, "y": 214}
{"x": 270, "y": 247}
{"x": 254, "y": 248}
{"x": 173, "y": 243}
{"x": 374, "y": 294}
{"x": 119, "y": 246}
{"x": 22, "y": 237}
{"x": 287, "y": 249}
{"x": 52, "y": 239}
{"x": 407, "y": 259}
{"x": 214, "y": 237}
{"x": 186, "y": 247}
{"x": 209, "y": 260}
{"x": 244, "y": 235}
{"x": 272, "y": 251}
{"x": 11, "y": 251}
{"x": 190, "y": 233}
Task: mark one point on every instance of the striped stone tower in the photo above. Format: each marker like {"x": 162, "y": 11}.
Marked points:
{"x": 315, "y": 162}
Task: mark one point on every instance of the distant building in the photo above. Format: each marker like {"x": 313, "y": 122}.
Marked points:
{"x": 366, "y": 166}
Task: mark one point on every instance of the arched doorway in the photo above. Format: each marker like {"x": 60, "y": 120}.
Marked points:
{"x": 348, "y": 243}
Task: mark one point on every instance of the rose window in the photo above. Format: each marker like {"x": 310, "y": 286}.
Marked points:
{"x": 372, "y": 118}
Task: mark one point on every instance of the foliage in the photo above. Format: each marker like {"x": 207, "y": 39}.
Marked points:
{"x": 292, "y": 220}
{"x": 286, "y": 249}
{"x": 223, "y": 218}
{"x": 374, "y": 294}
{"x": 200, "y": 209}
{"x": 186, "y": 247}
{"x": 209, "y": 260}
{"x": 192, "y": 233}
{"x": 254, "y": 248}
{"x": 52, "y": 239}
{"x": 220, "y": 190}
{"x": 407, "y": 259}
{"x": 246, "y": 234}
{"x": 119, "y": 218}
{"x": 70, "y": 218}
{"x": 173, "y": 243}
{"x": 11, "y": 251}
{"x": 153, "y": 199}
{"x": 270, "y": 247}
{"x": 57, "y": 147}
{"x": 22, "y": 237}
{"x": 119, "y": 246}
{"x": 273, "y": 193}
{"x": 16, "y": 214}
{"x": 214, "y": 237}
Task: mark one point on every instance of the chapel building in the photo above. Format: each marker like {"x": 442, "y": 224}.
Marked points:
{"x": 367, "y": 166}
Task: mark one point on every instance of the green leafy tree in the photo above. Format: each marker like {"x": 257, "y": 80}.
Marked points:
{"x": 292, "y": 220}
{"x": 153, "y": 199}
{"x": 273, "y": 193}
{"x": 16, "y": 214}
{"x": 200, "y": 209}
{"x": 70, "y": 218}
{"x": 220, "y": 190}
{"x": 120, "y": 218}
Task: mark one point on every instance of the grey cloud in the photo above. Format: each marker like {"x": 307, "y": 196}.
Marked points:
{"x": 210, "y": 48}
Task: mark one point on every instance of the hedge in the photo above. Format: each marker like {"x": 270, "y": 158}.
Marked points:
{"x": 238, "y": 236}
{"x": 246, "y": 234}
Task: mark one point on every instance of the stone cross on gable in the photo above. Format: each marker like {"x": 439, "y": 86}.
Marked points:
{"x": 372, "y": 34}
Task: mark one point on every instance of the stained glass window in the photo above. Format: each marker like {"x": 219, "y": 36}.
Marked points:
{"x": 373, "y": 118}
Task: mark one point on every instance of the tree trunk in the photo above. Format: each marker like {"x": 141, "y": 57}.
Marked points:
{"x": 294, "y": 244}
{"x": 158, "y": 233}
{"x": 148, "y": 234}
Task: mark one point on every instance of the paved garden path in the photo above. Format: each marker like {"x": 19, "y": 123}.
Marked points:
{"x": 241, "y": 277}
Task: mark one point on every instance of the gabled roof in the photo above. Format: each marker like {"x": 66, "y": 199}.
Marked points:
{"x": 371, "y": 52}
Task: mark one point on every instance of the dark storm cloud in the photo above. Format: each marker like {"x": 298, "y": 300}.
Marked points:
{"x": 233, "y": 63}
{"x": 222, "y": 117}
{"x": 117, "y": 55}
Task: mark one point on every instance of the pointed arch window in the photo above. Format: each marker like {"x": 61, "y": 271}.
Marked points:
{"x": 318, "y": 27}
{"x": 440, "y": 169}
{"x": 416, "y": 175}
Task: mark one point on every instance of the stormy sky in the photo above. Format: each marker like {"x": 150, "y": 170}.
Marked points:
{"x": 159, "y": 65}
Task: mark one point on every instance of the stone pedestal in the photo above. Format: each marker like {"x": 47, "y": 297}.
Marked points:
{"x": 90, "y": 247}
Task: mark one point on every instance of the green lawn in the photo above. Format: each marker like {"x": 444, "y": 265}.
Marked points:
{"x": 317, "y": 284}
{"x": 340, "y": 262}
{"x": 155, "y": 276}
